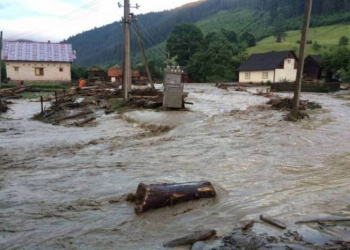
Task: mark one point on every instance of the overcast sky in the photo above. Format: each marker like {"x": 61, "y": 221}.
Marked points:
{"x": 56, "y": 20}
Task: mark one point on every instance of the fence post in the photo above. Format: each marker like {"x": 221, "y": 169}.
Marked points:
{"x": 42, "y": 105}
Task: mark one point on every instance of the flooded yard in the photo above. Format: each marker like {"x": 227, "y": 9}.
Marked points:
{"x": 63, "y": 187}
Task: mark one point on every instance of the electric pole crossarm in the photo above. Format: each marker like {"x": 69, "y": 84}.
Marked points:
{"x": 144, "y": 57}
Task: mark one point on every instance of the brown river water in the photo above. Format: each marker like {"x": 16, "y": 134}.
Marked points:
{"x": 60, "y": 186}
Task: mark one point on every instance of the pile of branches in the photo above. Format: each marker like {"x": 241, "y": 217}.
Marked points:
{"x": 224, "y": 86}
{"x": 101, "y": 93}
{"x": 241, "y": 89}
{"x": 13, "y": 93}
{"x": 286, "y": 104}
{"x": 145, "y": 98}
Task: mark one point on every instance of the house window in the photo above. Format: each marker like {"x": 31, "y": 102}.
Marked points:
{"x": 247, "y": 75}
{"x": 16, "y": 68}
{"x": 289, "y": 61}
{"x": 39, "y": 71}
{"x": 61, "y": 69}
{"x": 265, "y": 75}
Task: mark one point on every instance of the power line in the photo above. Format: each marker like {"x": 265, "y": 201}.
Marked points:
{"x": 151, "y": 37}
{"x": 151, "y": 49}
{"x": 153, "y": 46}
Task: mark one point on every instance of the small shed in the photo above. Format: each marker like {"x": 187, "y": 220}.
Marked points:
{"x": 97, "y": 74}
{"x": 315, "y": 70}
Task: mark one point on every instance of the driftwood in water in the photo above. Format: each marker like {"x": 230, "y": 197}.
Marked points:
{"x": 341, "y": 241}
{"x": 323, "y": 220}
{"x": 273, "y": 222}
{"x": 73, "y": 116}
{"x": 162, "y": 195}
{"x": 87, "y": 120}
{"x": 191, "y": 239}
{"x": 247, "y": 226}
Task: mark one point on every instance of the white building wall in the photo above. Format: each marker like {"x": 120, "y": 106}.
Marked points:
{"x": 26, "y": 71}
{"x": 256, "y": 76}
{"x": 289, "y": 73}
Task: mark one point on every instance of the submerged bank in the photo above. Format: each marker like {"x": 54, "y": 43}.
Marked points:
{"x": 62, "y": 186}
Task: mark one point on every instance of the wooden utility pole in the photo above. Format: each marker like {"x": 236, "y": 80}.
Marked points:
{"x": 0, "y": 58}
{"x": 127, "y": 78}
{"x": 306, "y": 25}
{"x": 143, "y": 53}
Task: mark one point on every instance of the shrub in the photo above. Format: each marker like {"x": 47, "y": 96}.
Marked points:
{"x": 316, "y": 46}
{"x": 344, "y": 41}
{"x": 309, "y": 42}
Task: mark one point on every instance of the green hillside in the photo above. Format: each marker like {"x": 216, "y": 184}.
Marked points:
{"x": 236, "y": 20}
{"x": 327, "y": 37}
{"x": 104, "y": 45}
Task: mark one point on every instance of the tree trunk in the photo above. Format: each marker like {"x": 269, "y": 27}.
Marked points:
{"x": 191, "y": 239}
{"x": 162, "y": 195}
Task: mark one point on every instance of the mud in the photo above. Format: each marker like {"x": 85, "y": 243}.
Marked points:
{"x": 63, "y": 187}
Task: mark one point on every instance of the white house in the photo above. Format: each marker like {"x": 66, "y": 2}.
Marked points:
{"x": 269, "y": 67}
{"x": 38, "y": 62}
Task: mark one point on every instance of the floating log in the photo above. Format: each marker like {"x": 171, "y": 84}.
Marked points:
{"x": 341, "y": 241}
{"x": 323, "y": 220}
{"x": 73, "y": 116}
{"x": 154, "y": 98}
{"x": 191, "y": 239}
{"x": 247, "y": 226}
{"x": 87, "y": 120}
{"x": 162, "y": 195}
{"x": 273, "y": 222}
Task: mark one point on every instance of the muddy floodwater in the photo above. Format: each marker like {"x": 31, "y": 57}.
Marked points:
{"x": 63, "y": 187}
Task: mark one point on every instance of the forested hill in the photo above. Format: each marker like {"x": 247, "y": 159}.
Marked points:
{"x": 103, "y": 46}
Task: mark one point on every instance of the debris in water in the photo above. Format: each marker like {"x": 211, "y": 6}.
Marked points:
{"x": 191, "y": 239}
{"x": 241, "y": 89}
{"x": 286, "y": 104}
{"x": 248, "y": 226}
{"x": 273, "y": 222}
{"x": 3, "y": 107}
{"x": 161, "y": 195}
{"x": 13, "y": 92}
{"x": 323, "y": 220}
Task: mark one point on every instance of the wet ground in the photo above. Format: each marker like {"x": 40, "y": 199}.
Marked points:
{"x": 62, "y": 188}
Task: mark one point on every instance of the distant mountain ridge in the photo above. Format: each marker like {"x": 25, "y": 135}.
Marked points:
{"x": 103, "y": 46}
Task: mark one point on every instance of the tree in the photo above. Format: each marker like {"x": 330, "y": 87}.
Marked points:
{"x": 248, "y": 38}
{"x": 213, "y": 59}
{"x": 230, "y": 35}
{"x": 79, "y": 72}
{"x": 279, "y": 29}
{"x": 338, "y": 61}
{"x": 344, "y": 41}
{"x": 185, "y": 40}
{"x": 316, "y": 46}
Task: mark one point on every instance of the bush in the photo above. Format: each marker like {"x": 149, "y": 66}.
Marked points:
{"x": 344, "y": 41}
{"x": 316, "y": 46}
{"x": 309, "y": 42}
